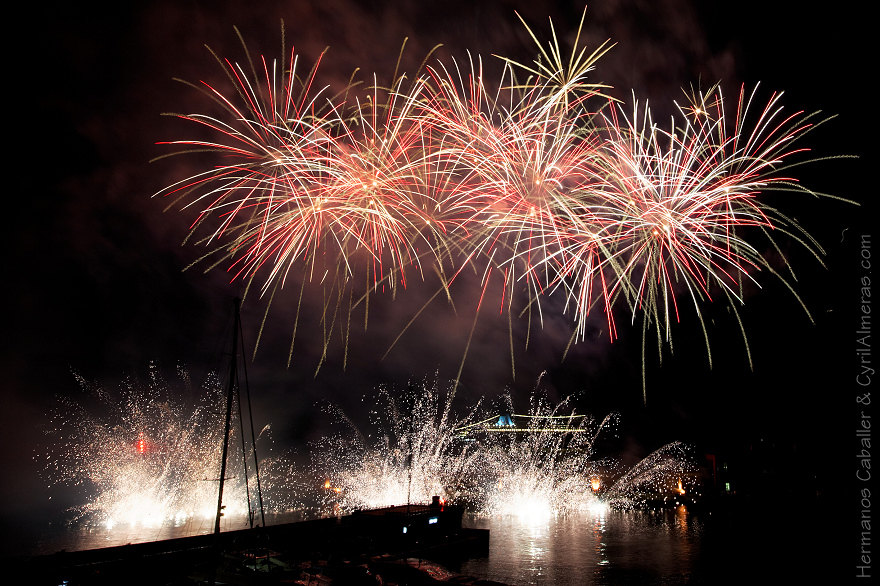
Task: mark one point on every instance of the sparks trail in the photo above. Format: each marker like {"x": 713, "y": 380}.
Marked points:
{"x": 517, "y": 159}
{"x": 417, "y": 447}
{"x": 147, "y": 456}
{"x": 151, "y": 460}
{"x": 536, "y": 176}
{"x": 683, "y": 209}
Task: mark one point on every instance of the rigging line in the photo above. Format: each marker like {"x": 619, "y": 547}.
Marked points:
{"x": 247, "y": 390}
{"x": 232, "y": 378}
{"x": 244, "y": 458}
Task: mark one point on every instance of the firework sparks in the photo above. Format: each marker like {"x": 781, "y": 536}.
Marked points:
{"x": 528, "y": 179}
{"x": 416, "y": 457}
{"x": 517, "y": 161}
{"x": 153, "y": 461}
{"x": 147, "y": 459}
{"x": 549, "y": 467}
{"x": 683, "y": 209}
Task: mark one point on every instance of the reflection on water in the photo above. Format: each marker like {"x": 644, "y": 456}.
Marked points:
{"x": 750, "y": 543}
{"x": 599, "y": 547}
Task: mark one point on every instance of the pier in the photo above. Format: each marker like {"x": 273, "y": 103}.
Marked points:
{"x": 340, "y": 550}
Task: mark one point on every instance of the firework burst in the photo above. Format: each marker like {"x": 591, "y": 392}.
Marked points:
{"x": 541, "y": 178}
{"x": 516, "y": 158}
{"x": 684, "y": 210}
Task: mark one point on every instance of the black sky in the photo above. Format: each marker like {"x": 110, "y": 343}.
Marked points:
{"x": 94, "y": 267}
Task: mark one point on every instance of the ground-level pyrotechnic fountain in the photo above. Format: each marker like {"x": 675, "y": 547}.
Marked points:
{"x": 543, "y": 462}
{"x": 146, "y": 456}
{"x": 150, "y": 459}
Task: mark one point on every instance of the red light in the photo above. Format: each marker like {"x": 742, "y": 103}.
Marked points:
{"x": 141, "y": 445}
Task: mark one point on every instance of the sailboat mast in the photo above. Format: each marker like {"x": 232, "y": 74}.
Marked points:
{"x": 233, "y": 374}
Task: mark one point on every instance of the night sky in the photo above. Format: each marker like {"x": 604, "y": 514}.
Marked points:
{"x": 94, "y": 267}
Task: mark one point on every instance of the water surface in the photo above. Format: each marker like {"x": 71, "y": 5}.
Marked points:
{"x": 771, "y": 542}
{"x": 600, "y": 547}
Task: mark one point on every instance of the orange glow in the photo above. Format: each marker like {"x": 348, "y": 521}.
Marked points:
{"x": 595, "y": 483}
{"x": 680, "y": 488}
{"x": 141, "y": 445}
{"x": 327, "y": 484}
